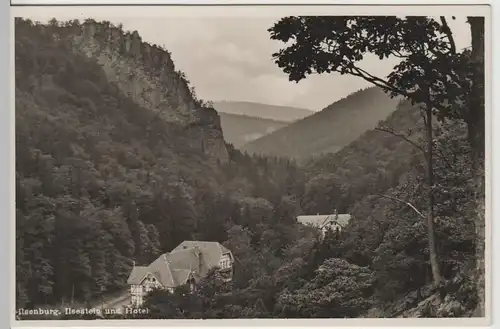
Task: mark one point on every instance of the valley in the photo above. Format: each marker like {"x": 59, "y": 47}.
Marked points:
{"x": 263, "y": 111}
{"x": 118, "y": 161}
{"x": 241, "y": 129}
{"x": 328, "y": 130}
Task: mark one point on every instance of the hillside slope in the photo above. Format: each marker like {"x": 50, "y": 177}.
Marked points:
{"x": 109, "y": 173}
{"x": 328, "y": 130}
{"x": 241, "y": 129}
{"x": 389, "y": 237}
{"x": 373, "y": 163}
{"x": 265, "y": 111}
{"x": 147, "y": 75}
{"x": 104, "y": 180}
{"x": 94, "y": 160}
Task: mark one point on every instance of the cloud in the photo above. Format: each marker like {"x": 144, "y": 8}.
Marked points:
{"x": 277, "y": 89}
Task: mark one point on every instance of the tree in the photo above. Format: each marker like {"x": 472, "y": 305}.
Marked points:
{"x": 476, "y": 96}
{"x": 322, "y": 194}
{"x": 247, "y": 262}
{"x": 477, "y": 140}
{"x": 339, "y": 289}
{"x": 429, "y": 69}
{"x": 425, "y": 47}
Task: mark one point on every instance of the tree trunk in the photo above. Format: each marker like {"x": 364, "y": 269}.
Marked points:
{"x": 476, "y": 126}
{"x": 476, "y": 117}
{"x": 436, "y": 273}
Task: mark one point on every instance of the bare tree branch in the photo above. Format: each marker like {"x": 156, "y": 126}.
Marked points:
{"x": 449, "y": 34}
{"x": 377, "y": 81}
{"x": 402, "y": 136}
{"x": 398, "y": 54}
{"x": 405, "y": 202}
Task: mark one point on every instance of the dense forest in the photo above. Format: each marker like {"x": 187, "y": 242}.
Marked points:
{"x": 102, "y": 181}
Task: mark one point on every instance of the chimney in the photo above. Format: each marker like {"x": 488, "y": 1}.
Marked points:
{"x": 336, "y": 214}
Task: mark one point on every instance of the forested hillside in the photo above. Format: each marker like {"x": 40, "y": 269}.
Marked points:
{"x": 241, "y": 129}
{"x": 379, "y": 265}
{"x": 373, "y": 178}
{"x": 264, "y": 111}
{"x": 107, "y": 174}
{"x": 328, "y": 130}
{"x": 102, "y": 182}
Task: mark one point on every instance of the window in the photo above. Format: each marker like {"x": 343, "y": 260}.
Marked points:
{"x": 134, "y": 289}
{"x": 225, "y": 263}
{"x": 138, "y": 289}
{"x": 136, "y": 300}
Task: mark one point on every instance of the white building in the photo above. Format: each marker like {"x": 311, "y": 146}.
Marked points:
{"x": 324, "y": 222}
{"x": 186, "y": 264}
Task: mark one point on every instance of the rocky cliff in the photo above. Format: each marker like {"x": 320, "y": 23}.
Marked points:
{"x": 146, "y": 73}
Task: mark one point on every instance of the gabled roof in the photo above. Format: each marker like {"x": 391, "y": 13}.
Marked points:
{"x": 180, "y": 276}
{"x": 138, "y": 273}
{"x": 321, "y": 221}
{"x": 160, "y": 269}
{"x": 173, "y": 269}
{"x": 212, "y": 251}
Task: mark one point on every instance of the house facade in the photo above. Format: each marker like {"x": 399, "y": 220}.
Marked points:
{"x": 324, "y": 222}
{"x": 185, "y": 264}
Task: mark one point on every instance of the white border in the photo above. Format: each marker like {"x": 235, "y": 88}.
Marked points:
{"x": 263, "y": 10}
{"x": 249, "y": 2}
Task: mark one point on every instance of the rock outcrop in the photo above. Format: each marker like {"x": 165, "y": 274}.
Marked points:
{"x": 146, "y": 73}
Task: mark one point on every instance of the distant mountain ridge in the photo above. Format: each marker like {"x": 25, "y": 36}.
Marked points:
{"x": 241, "y": 129}
{"x": 328, "y": 130}
{"x": 263, "y": 111}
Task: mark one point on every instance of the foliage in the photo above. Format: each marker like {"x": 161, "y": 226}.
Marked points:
{"x": 425, "y": 47}
{"x": 338, "y": 290}
{"x": 102, "y": 182}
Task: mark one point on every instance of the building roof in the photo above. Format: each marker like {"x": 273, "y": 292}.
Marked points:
{"x": 321, "y": 221}
{"x": 173, "y": 269}
{"x": 212, "y": 251}
{"x": 137, "y": 274}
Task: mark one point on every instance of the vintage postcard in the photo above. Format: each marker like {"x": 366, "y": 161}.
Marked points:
{"x": 285, "y": 164}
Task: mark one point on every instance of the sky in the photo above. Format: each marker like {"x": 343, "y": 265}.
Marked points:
{"x": 229, "y": 57}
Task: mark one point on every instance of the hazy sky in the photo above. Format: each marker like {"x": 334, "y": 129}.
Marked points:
{"x": 229, "y": 58}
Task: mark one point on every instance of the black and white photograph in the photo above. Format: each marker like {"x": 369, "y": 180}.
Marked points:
{"x": 314, "y": 162}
